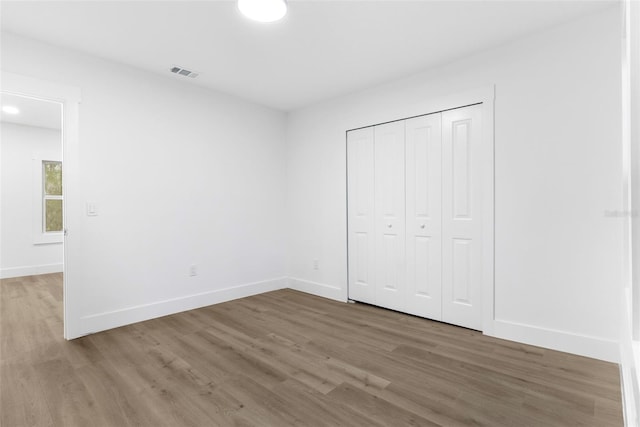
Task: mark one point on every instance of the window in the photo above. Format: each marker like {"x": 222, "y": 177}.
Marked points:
{"x": 51, "y": 196}
{"x": 48, "y": 214}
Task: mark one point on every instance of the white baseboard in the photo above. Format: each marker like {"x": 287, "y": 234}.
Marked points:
{"x": 30, "y": 270}
{"x": 582, "y": 345}
{"x": 319, "y": 289}
{"x": 553, "y": 339}
{"x": 113, "y": 319}
{"x": 629, "y": 383}
{"x": 629, "y": 365}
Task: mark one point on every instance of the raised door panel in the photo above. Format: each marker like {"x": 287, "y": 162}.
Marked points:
{"x": 461, "y": 217}
{"x": 390, "y": 215}
{"x": 423, "y": 162}
{"x": 360, "y": 207}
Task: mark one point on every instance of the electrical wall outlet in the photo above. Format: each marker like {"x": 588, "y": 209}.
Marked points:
{"x": 193, "y": 270}
{"x": 316, "y": 264}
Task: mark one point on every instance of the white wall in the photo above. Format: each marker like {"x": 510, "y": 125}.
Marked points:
{"x": 557, "y": 170}
{"x": 19, "y": 256}
{"x": 180, "y": 175}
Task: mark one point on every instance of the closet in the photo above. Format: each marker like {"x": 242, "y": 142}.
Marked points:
{"x": 414, "y": 215}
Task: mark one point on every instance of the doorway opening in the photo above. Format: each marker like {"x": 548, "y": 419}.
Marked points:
{"x": 32, "y": 200}
{"x": 39, "y": 156}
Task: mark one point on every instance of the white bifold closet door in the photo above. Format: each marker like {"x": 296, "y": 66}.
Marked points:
{"x": 424, "y": 216}
{"x": 414, "y": 205}
{"x": 360, "y": 206}
{"x": 389, "y": 215}
{"x": 461, "y": 217}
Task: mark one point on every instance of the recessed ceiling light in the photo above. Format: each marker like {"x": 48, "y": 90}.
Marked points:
{"x": 10, "y": 109}
{"x": 263, "y": 10}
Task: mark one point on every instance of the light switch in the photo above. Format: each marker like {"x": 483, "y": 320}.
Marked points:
{"x": 92, "y": 209}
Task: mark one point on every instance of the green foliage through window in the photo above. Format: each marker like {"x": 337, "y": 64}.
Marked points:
{"x": 53, "y": 178}
{"x": 52, "y": 196}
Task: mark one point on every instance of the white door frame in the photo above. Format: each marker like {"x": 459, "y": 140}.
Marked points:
{"x": 486, "y": 97}
{"x": 70, "y": 98}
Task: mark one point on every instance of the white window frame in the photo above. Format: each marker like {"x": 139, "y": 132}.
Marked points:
{"x": 40, "y": 236}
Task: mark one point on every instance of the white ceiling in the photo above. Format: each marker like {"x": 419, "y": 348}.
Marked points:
{"x": 320, "y": 50}
{"x": 33, "y": 112}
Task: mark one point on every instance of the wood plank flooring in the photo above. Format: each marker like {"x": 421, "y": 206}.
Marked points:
{"x": 280, "y": 359}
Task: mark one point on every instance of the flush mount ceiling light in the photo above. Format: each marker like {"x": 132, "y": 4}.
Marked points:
{"x": 10, "y": 109}
{"x": 263, "y": 10}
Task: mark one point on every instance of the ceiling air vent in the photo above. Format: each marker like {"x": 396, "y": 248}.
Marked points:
{"x": 183, "y": 72}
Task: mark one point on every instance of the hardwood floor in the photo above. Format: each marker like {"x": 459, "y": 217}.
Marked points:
{"x": 284, "y": 358}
